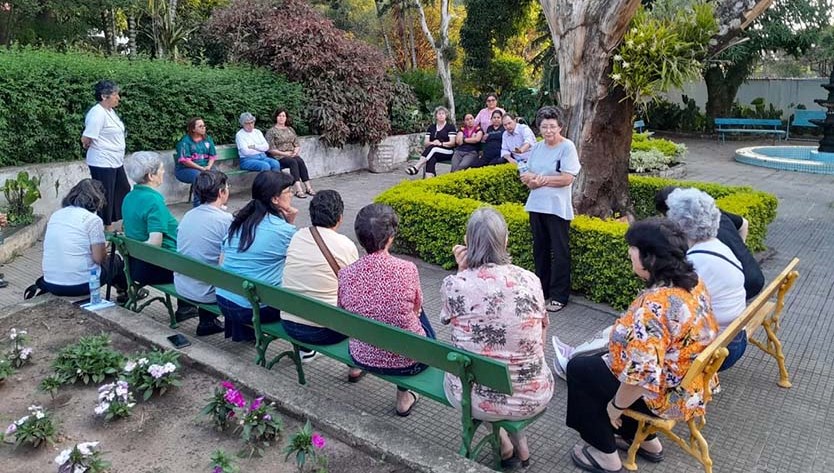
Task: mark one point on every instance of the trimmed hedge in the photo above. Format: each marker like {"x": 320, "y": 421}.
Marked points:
{"x": 433, "y": 215}
{"x": 45, "y": 95}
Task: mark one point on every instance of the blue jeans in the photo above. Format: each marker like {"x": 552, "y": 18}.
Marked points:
{"x": 238, "y": 319}
{"x": 736, "y": 349}
{"x": 408, "y": 370}
{"x": 259, "y": 162}
{"x": 188, "y": 175}
{"x": 312, "y": 335}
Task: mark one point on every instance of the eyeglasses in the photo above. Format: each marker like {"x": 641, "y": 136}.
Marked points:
{"x": 249, "y": 123}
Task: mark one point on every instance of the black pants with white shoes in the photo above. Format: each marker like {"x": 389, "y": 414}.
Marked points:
{"x": 551, "y": 254}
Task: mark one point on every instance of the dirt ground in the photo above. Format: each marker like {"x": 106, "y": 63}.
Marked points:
{"x": 163, "y": 435}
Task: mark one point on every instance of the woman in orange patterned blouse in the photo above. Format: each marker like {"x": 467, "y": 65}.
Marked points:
{"x": 651, "y": 347}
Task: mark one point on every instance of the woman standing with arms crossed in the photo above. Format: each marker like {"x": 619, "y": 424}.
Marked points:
{"x": 104, "y": 139}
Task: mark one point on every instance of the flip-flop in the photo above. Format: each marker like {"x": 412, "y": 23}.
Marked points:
{"x": 411, "y": 407}
{"x": 654, "y": 457}
{"x": 593, "y": 466}
{"x": 355, "y": 379}
{"x": 300, "y": 195}
{"x": 411, "y": 170}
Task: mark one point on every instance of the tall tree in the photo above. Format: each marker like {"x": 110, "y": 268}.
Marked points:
{"x": 792, "y": 26}
{"x": 598, "y": 114}
{"x": 443, "y": 49}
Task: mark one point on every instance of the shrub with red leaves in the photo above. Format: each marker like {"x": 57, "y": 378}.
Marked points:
{"x": 345, "y": 80}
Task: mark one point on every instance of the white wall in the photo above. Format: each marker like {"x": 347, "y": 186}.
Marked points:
{"x": 784, "y": 94}
{"x": 58, "y": 178}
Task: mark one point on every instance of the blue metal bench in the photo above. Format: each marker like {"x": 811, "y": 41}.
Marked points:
{"x": 803, "y": 118}
{"x": 639, "y": 125}
{"x": 759, "y": 126}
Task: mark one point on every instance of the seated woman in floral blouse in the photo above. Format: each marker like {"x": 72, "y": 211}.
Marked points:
{"x": 652, "y": 346}
{"x": 195, "y": 154}
{"x": 285, "y": 147}
{"x": 496, "y": 309}
{"x": 386, "y": 289}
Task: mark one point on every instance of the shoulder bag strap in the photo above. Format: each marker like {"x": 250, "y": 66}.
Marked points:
{"x": 325, "y": 250}
{"x": 719, "y": 255}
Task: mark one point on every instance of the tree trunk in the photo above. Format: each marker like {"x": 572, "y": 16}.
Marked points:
{"x": 723, "y": 85}
{"x": 409, "y": 26}
{"x": 108, "y": 32}
{"x": 384, "y": 32}
{"x": 597, "y": 118}
{"x": 441, "y": 47}
{"x": 131, "y": 34}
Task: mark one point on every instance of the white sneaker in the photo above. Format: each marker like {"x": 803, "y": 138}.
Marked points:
{"x": 307, "y": 355}
{"x": 563, "y": 352}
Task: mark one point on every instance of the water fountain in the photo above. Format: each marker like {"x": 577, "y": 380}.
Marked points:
{"x": 819, "y": 160}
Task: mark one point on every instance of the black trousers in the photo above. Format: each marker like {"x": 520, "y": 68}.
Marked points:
{"x": 435, "y": 154}
{"x": 591, "y": 385}
{"x": 116, "y": 278}
{"x": 297, "y": 167}
{"x": 551, "y": 254}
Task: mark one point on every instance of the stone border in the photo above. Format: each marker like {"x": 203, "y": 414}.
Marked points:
{"x": 358, "y": 429}
{"x": 22, "y": 239}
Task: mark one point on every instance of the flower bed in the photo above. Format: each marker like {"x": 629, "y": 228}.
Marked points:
{"x": 433, "y": 215}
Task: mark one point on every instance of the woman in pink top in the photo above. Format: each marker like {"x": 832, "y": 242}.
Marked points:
{"x": 484, "y": 118}
{"x": 496, "y": 310}
{"x": 386, "y": 289}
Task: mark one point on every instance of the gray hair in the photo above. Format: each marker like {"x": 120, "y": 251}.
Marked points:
{"x": 141, "y": 164}
{"x": 441, "y": 108}
{"x": 375, "y": 225}
{"x": 246, "y": 117}
{"x": 695, "y": 212}
{"x": 486, "y": 238}
{"x": 104, "y": 88}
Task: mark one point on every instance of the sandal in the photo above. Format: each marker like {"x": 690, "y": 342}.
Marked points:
{"x": 355, "y": 379}
{"x": 301, "y": 195}
{"x": 554, "y": 306}
{"x": 411, "y": 170}
{"x": 407, "y": 412}
{"x": 310, "y": 192}
{"x": 592, "y": 465}
{"x": 624, "y": 444}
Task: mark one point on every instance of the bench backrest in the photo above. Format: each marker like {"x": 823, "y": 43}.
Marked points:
{"x": 721, "y": 122}
{"x": 639, "y": 124}
{"x": 705, "y": 364}
{"x": 441, "y": 355}
{"x": 804, "y": 117}
{"x": 226, "y": 153}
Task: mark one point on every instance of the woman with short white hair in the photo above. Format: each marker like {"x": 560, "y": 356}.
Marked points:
{"x": 147, "y": 219}
{"x": 697, "y": 215}
{"x": 252, "y": 147}
{"x": 496, "y": 309}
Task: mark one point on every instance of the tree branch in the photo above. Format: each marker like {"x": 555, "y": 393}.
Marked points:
{"x": 425, "y": 26}
{"x": 733, "y": 17}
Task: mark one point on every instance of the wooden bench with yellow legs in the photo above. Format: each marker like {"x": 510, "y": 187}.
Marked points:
{"x": 762, "y": 312}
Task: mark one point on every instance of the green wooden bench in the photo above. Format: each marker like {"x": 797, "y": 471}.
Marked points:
{"x": 225, "y": 155}
{"x": 441, "y": 357}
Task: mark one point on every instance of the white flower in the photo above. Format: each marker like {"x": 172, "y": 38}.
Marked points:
{"x": 79, "y": 469}
{"x": 63, "y": 457}
{"x": 625, "y": 65}
{"x": 129, "y": 366}
{"x": 142, "y": 361}
{"x": 105, "y": 387}
{"x": 86, "y": 448}
{"x": 39, "y": 415}
{"x": 24, "y": 354}
{"x": 617, "y": 57}
{"x": 12, "y": 428}
{"x": 78, "y": 371}
{"x": 130, "y": 404}
{"x": 121, "y": 391}
{"x": 616, "y": 76}
{"x": 12, "y": 334}
{"x": 630, "y": 43}
{"x": 22, "y": 420}
{"x": 101, "y": 408}
{"x": 170, "y": 367}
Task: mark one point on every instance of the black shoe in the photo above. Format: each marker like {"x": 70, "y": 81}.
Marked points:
{"x": 209, "y": 327}
{"x": 185, "y": 312}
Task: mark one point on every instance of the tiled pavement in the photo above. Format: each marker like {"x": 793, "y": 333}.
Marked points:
{"x": 754, "y": 426}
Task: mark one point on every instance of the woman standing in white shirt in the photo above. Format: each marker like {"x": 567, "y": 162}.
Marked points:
{"x": 104, "y": 139}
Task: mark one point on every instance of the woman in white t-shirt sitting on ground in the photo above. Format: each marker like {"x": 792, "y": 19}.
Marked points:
{"x": 74, "y": 245}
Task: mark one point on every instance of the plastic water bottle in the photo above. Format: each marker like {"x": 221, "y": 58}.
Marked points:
{"x": 522, "y": 166}
{"x": 95, "y": 287}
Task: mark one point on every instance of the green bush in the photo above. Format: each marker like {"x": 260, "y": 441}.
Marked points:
{"x": 45, "y": 95}
{"x": 433, "y": 215}
{"x": 642, "y": 142}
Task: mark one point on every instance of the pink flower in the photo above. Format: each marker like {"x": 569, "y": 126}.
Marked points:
{"x": 12, "y": 428}
{"x": 256, "y": 403}
{"x": 227, "y": 385}
{"x": 217, "y": 469}
{"x": 318, "y": 441}
{"x": 267, "y": 417}
{"x": 235, "y": 398}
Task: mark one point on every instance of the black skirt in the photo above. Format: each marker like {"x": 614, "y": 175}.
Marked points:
{"x": 116, "y": 187}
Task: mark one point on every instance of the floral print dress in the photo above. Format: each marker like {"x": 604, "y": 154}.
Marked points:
{"x": 498, "y": 311}
{"x": 655, "y": 342}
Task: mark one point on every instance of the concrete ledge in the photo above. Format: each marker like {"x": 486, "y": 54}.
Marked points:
{"x": 22, "y": 238}
{"x": 58, "y": 178}
{"x": 356, "y": 428}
